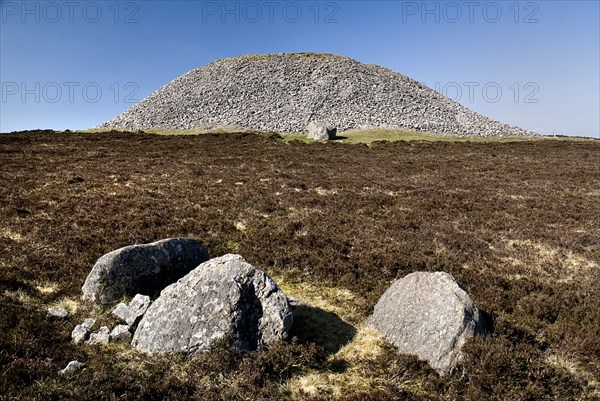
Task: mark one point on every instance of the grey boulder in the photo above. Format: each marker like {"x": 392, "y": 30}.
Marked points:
{"x": 145, "y": 269}
{"x": 135, "y": 309}
{"x": 428, "y": 315}
{"x": 320, "y": 132}
{"x": 224, "y": 297}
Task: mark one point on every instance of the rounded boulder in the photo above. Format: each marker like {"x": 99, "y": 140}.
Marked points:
{"x": 428, "y": 315}
{"x": 141, "y": 269}
{"x": 223, "y": 297}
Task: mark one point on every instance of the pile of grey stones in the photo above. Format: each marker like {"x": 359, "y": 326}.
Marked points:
{"x": 128, "y": 314}
{"x": 286, "y": 92}
{"x": 182, "y": 301}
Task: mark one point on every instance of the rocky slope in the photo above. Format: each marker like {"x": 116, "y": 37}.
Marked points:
{"x": 284, "y": 92}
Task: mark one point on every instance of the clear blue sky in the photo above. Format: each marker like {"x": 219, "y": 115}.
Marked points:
{"x": 75, "y": 64}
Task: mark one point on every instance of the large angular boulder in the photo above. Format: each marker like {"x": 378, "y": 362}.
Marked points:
{"x": 224, "y": 297}
{"x": 428, "y": 315}
{"x": 320, "y": 132}
{"x": 145, "y": 269}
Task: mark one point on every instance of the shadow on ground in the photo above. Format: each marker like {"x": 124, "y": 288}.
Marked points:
{"x": 339, "y": 138}
{"x": 318, "y": 326}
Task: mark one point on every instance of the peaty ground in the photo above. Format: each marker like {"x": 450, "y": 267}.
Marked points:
{"x": 516, "y": 223}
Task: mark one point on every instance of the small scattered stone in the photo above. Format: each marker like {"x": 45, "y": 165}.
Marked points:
{"x": 120, "y": 333}
{"x": 56, "y": 312}
{"x": 294, "y": 302}
{"x": 89, "y": 323}
{"x": 101, "y": 337}
{"x": 80, "y": 334}
{"x": 136, "y": 309}
{"x": 121, "y": 311}
{"x": 72, "y": 367}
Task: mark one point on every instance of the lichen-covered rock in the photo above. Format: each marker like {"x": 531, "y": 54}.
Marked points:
{"x": 285, "y": 92}
{"x": 80, "y": 334}
{"x": 427, "y": 315}
{"x": 82, "y": 331}
{"x": 145, "y": 269}
{"x": 120, "y": 333}
{"x": 88, "y": 323}
{"x": 101, "y": 337}
{"x": 224, "y": 297}
{"x": 134, "y": 310}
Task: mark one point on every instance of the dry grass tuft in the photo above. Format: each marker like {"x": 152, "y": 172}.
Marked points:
{"x": 573, "y": 368}
{"x": 72, "y": 305}
{"x": 11, "y": 235}
{"x": 337, "y": 300}
{"x": 47, "y": 288}
{"x": 355, "y": 356}
{"x": 553, "y": 264}
{"x": 21, "y": 296}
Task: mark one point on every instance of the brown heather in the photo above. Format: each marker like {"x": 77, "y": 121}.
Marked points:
{"x": 516, "y": 223}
